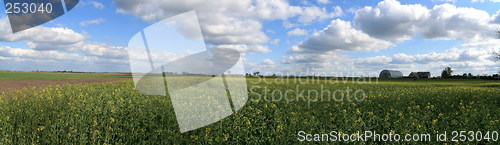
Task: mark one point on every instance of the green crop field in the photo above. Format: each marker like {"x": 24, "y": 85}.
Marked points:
{"x": 4, "y": 75}
{"x": 114, "y": 113}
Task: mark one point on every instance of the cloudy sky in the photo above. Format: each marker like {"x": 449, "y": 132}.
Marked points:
{"x": 335, "y": 37}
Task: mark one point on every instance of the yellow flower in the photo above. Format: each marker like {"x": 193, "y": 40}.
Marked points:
{"x": 96, "y": 132}
{"x": 113, "y": 110}
{"x": 40, "y": 128}
{"x": 111, "y": 120}
{"x": 226, "y": 136}
{"x": 357, "y": 121}
{"x": 194, "y": 137}
{"x": 279, "y": 128}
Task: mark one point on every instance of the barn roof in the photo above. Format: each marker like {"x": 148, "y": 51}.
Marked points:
{"x": 390, "y": 74}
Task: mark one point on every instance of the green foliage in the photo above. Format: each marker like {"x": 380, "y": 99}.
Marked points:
{"x": 114, "y": 113}
{"x": 446, "y": 72}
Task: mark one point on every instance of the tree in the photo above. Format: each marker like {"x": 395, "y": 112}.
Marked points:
{"x": 446, "y": 72}
{"x": 256, "y": 73}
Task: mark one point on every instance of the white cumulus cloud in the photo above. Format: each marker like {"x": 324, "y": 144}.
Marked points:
{"x": 297, "y": 32}
{"x": 90, "y": 22}
{"x": 339, "y": 36}
{"x": 390, "y": 20}
{"x": 228, "y": 22}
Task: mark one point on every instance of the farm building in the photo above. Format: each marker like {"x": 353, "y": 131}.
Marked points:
{"x": 390, "y": 74}
{"x": 420, "y": 75}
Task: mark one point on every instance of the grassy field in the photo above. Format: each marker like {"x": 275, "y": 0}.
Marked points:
{"x": 113, "y": 113}
{"x": 9, "y": 75}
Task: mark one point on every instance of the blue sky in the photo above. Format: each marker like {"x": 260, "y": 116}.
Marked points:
{"x": 278, "y": 36}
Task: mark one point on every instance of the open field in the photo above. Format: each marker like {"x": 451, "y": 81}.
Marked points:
{"x": 28, "y": 80}
{"x": 113, "y": 113}
{"x": 11, "y": 85}
{"x": 10, "y": 75}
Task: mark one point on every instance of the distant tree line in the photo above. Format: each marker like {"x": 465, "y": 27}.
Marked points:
{"x": 447, "y": 73}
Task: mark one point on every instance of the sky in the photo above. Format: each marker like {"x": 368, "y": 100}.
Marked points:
{"x": 330, "y": 37}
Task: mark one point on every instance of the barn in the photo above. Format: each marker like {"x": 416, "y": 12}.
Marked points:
{"x": 413, "y": 75}
{"x": 420, "y": 75}
{"x": 390, "y": 74}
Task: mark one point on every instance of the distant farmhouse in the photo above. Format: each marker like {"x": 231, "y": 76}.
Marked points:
{"x": 420, "y": 75}
{"x": 390, "y": 74}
